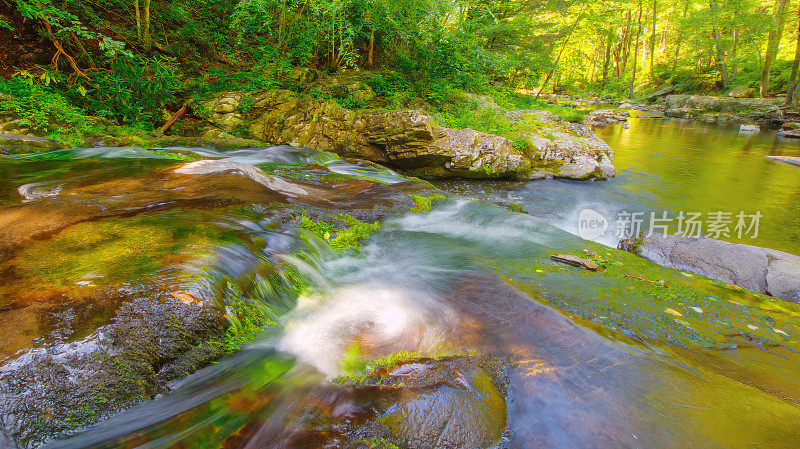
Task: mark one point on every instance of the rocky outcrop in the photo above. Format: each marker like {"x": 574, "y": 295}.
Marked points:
{"x": 761, "y": 270}
{"x": 560, "y": 149}
{"x": 411, "y": 141}
{"x": 723, "y": 109}
{"x": 15, "y": 143}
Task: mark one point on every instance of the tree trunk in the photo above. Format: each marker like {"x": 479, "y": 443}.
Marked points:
{"x": 773, "y": 39}
{"x": 636, "y": 51}
{"x": 371, "y": 48}
{"x": 723, "y": 68}
{"x": 790, "y": 92}
{"x": 679, "y": 39}
{"x": 148, "y": 43}
{"x": 82, "y": 49}
{"x": 653, "y": 37}
{"x": 733, "y": 55}
{"x": 607, "y": 58}
{"x": 138, "y": 20}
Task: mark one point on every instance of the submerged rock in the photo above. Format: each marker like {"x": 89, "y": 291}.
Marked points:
{"x": 761, "y": 270}
{"x": 455, "y": 403}
{"x": 411, "y": 141}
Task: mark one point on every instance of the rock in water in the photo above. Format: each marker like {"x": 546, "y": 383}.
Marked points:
{"x": 575, "y": 261}
{"x": 749, "y": 129}
{"x": 761, "y": 270}
{"x": 790, "y": 133}
{"x": 448, "y": 404}
{"x": 793, "y": 160}
{"x": 208, "y": 166}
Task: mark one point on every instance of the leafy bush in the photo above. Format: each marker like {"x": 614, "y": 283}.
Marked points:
{"x": 38, "y": 106}
{"x": 133, "y": 92}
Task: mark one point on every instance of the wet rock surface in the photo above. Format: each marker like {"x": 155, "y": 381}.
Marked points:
{"x": 449, "y": 404}
{"x": 452, "y": 402}
{"x": 761, "y": 270}
{"x": 154, "y": 339}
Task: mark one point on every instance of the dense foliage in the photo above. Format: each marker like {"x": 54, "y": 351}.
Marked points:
{"x": 125, "y": 62}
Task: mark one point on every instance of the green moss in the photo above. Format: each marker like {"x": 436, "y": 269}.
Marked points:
{"x": 636, "y": 297}
{"x": 340, "y": 239}
{"x": 426, "y": 203}
{"x": 515, "y": 207}
{"x": 174, "y": 155}
{"x": 114, "y": 249}
{"x": 246, "y": 321}
{"x": 356, "y": 371}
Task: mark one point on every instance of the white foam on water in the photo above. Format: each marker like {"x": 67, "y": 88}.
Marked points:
{"x": 381, "y": 320}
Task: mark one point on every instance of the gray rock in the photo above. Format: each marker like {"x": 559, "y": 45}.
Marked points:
{"x": 790, "y": 134}
{"x": 742, "y": 92}
{"x": 603, "y": 117}
{"x": 761, "y": 270}
{"x": 660, "y": 93}
{"x": 23, "y": 143}
{"x": 723, "y": 109}
{"x": 49, "y": 391}
{"x": 749, "y": 129}
{"x": 792, "y": 160}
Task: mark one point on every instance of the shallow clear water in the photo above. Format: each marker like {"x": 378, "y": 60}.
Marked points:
{"x": 672, "y": 166}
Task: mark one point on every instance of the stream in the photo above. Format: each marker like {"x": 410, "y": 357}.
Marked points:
{"x": 534, "y": 353}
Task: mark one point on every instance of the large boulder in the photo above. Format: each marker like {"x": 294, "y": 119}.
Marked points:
{"x": 742, "y": 92}
{"x": 761, "y": 270}
{"x": 723, "y": 109}
{"x": 411, "y": 141}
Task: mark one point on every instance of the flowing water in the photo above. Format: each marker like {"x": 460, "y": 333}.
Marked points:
{"x": 634, "y": 355}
